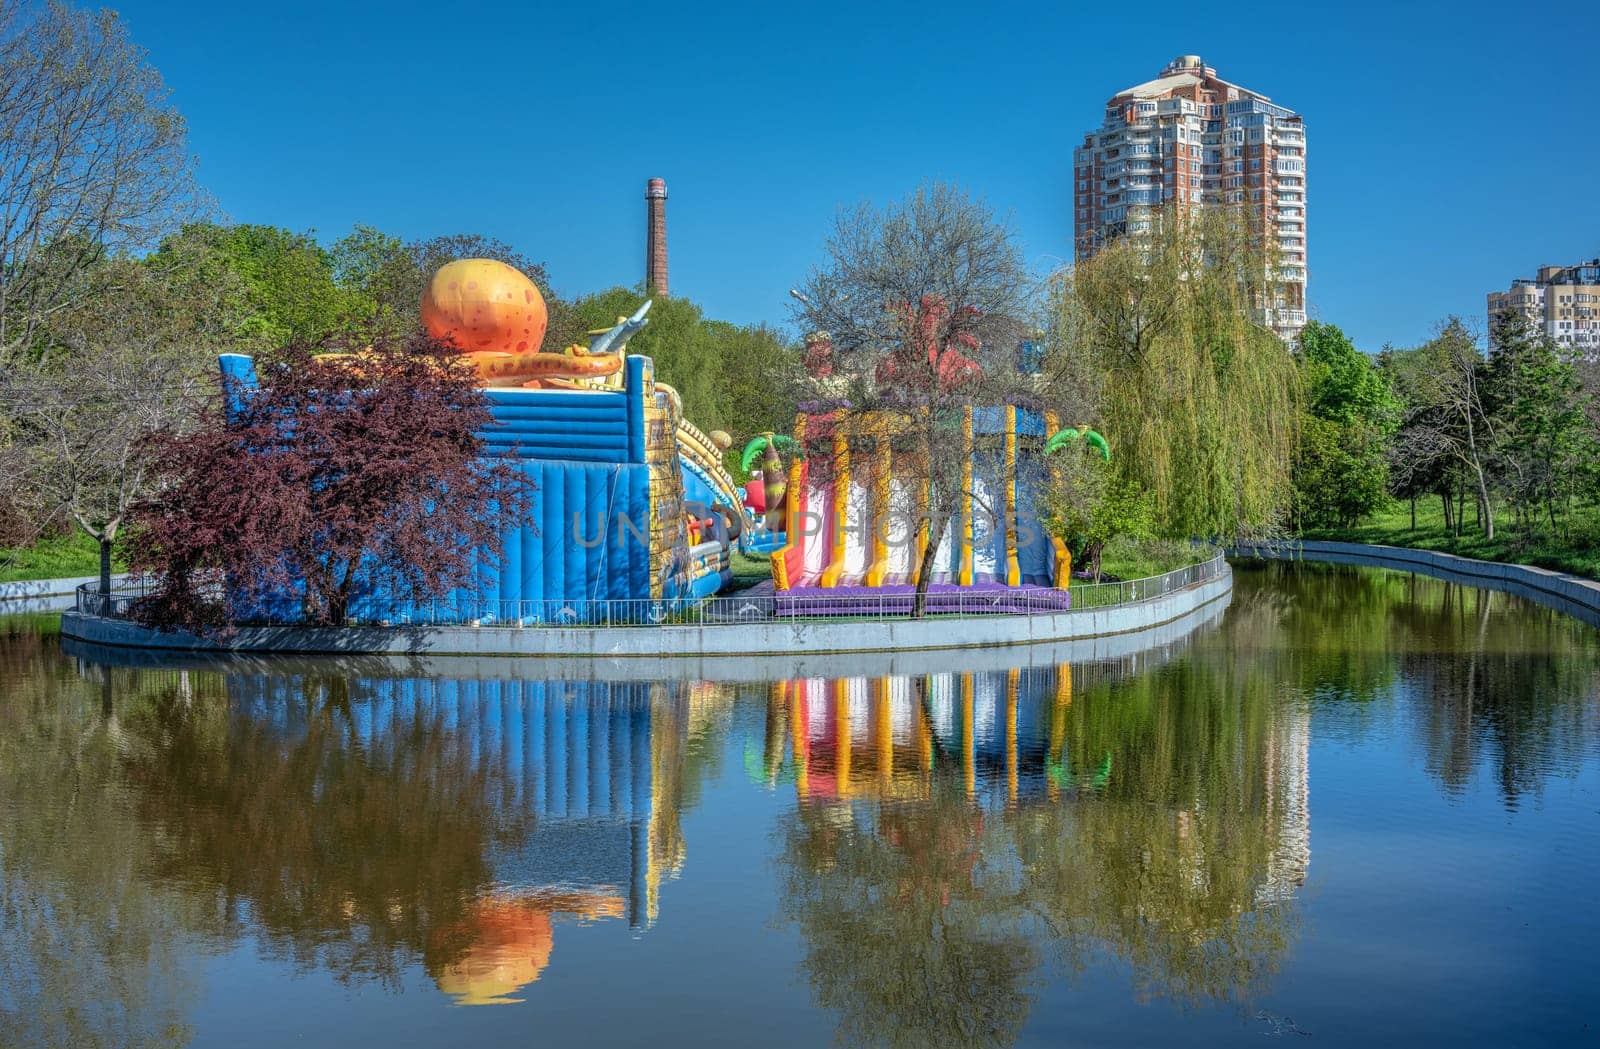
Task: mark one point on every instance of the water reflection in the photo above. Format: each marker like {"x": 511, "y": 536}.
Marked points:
{"x": 1015, "y": 815}
{"x": 1486, "y": 683}
{"x": 945, "y": 853}
{"x": 366, "y": 822}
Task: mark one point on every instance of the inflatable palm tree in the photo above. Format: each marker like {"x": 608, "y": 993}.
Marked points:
{"x": 1061, "y": 438}
{"x": 774, "y": 478}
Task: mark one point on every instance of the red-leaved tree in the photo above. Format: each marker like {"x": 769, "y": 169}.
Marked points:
{"x": 336, "y": 477}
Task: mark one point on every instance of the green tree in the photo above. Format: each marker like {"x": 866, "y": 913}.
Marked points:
{"x": 686, "y": 350}
{"x": 757, "y": 365}
{"x": 1341, "y": 470}
{"x": 1340, "y": 473}
{"x": 381, "y": 278}
{"x": 1088, "y": 503}
{"x": 1448, "y": 429}
{"x": 1342, "y": 384}
{"x": 119, "y": 368}
{"x": 1543, "y": 440}
{"x": 290, "y": 279}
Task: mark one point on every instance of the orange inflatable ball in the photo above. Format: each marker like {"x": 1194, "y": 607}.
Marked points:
{"x": 483, "y": 304}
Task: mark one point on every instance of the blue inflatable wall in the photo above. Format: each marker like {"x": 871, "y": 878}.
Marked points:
{"x": 606, "y": 518}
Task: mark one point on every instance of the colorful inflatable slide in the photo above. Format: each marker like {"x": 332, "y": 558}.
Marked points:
{"x": 625, "y": 507}
{"x": 857, "y": 524}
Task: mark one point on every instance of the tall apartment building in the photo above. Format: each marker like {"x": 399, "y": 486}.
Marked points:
{"x": 1192, "y": 140}
{"x": 1561, "y": 301}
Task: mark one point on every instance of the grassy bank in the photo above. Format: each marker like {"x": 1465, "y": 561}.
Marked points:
{"x": 1577, "y": 552}
{"x": 749, "y": 571}
{"x": 1138, "y": 559}
{"x": 58, "y": 557}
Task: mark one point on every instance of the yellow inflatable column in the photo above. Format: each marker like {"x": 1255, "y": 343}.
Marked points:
{"x": 1063, "y": 569}
{"x": 841, "y": 507}
{"x": 1013, "y": 569}
{"x": 969, "y": 745}
{"x": 1013, "y": 683}
{"x": 964, "y": 573}
{"x": 794, "y": 496}
{"x": 924, "y": 525}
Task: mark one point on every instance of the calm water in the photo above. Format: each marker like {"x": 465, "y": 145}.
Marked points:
{"x": 1357, "y": 806}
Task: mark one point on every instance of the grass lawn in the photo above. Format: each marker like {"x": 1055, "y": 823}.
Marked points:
{"x": 1578, "y": 552}
{"x": 1139, "y": 559}
{"x": 59, "y": 557}
{"x": 748, "y": 571}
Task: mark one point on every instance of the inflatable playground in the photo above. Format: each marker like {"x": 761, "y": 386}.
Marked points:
{"x": 856, "y": 525}
{"x": 633, "y": 503}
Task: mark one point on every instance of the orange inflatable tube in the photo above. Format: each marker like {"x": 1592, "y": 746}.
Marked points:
{"x": 498, "y": 368}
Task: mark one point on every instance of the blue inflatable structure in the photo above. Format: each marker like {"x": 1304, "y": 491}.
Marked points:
{"x": 608, "y": 532}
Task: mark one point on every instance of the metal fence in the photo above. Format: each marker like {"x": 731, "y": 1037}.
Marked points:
{"x": 858, "y": 603}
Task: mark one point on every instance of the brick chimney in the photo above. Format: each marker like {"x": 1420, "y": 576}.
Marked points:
{"x": 655, "y": 254}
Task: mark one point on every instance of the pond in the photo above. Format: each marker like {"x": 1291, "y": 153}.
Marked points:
{"x": 1356, "y": 805}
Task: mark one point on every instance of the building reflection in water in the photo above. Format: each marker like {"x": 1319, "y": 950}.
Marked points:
{"x": 962, "y": 826}
{"x": 589, "y": 774}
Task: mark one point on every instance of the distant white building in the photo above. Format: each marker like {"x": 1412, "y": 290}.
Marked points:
{"x": 1562, "y": 301}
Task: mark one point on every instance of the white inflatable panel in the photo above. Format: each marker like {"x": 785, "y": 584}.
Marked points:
{"x": 855, "y": 536}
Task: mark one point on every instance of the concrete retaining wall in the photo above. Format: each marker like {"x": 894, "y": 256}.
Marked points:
{"x": 1574, "y": 595}
{"x": 1141, "y": 648}
{"x": 45, "y": 595}
{"x": 764, "y": 638}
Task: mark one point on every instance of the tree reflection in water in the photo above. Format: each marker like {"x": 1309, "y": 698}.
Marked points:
{"x": 949, "y": 829}
{"x": 954, "y": 844}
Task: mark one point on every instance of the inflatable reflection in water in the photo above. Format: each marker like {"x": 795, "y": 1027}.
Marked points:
{"x": 883, "y": 737}
{"x": 590, "y": 771}
{"x": 509, "y": 940}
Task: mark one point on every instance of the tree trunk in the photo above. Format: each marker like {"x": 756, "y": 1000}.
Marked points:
{"x": 1091, "y": 557}
{"x": 1445, "y": 501}
{"x": 1461, "y": 510}
{"x": 1413, "y": 511}
{"x": 1486, "y": 507}
{"x": 936, "y": 530}
{"x": 105, "y": 567}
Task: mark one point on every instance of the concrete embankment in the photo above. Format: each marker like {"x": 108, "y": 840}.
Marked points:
{"x": 699, "y": 641}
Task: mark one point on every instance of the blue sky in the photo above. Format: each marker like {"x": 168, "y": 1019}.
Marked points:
{"x": 1447, "y": 147}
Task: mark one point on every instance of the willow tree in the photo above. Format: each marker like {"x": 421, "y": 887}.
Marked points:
{"x": 1195, "y": 391}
